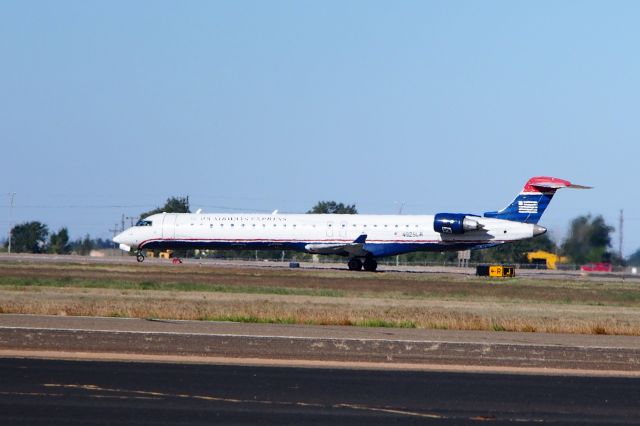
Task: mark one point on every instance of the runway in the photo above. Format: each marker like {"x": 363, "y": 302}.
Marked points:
{"x": 34, "y": 392}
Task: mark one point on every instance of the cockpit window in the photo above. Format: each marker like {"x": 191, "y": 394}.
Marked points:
{"x": 144, "y": 223}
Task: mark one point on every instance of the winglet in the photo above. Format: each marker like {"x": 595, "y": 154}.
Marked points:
{"x": 361, "y": 239}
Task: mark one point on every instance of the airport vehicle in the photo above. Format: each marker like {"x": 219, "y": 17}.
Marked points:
{"x": 541, "y": 259}
{"x": 597, "y": 267}
{"x": 360, "y": 238}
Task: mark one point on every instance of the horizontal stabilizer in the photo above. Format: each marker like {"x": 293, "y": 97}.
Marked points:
{"x": 546, "y": 182}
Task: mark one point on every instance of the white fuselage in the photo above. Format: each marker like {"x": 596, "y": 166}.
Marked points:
{"x": 386, "y": 235}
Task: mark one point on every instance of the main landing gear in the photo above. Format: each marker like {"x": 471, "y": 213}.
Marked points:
{"x": 370, "y": 264}
{"x": 355, "y": 264}
{"x": 140, "y": 256}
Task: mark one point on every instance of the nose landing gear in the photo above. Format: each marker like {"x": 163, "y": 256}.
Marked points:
{"x": 140, "y": 256}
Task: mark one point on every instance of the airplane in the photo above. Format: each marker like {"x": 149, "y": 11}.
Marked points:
{"x": 361, "y": 238}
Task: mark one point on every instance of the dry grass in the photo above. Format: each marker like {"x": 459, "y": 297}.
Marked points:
{"x": 283, "y": 296}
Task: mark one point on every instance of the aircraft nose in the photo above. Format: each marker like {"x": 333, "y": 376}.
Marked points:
{"x": 117, "y": 239}
{"x": 538, "y": 230}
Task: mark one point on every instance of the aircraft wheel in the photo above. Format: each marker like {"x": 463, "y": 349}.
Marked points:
{"x": 370, "y": 265}
{"x": 355, "y": 264}
{"x": 140, "y": 257}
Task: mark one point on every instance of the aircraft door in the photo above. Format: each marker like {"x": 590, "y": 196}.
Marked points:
{"x": 343, "y": 229}
{"x": 329, "y": 229}
{"x": 169, "y": 226}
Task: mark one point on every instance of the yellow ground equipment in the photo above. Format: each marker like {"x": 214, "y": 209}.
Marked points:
{"x": 545, "y": 258}
{"x": 495, "y": 271}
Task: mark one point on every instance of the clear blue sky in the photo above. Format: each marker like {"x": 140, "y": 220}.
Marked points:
{"x": 111, "y": 107}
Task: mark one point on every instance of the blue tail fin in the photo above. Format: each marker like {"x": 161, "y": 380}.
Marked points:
{"x": 533, "y": 200}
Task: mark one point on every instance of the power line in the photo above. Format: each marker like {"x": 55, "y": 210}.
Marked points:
{"x": 81, "y": 206}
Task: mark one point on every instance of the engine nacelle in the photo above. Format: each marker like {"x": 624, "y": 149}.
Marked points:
{"x": 455, "y": 223}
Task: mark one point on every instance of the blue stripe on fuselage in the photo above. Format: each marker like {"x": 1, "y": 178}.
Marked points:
{"x": 376, "y": 249}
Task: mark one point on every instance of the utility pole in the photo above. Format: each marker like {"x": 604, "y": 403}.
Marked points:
{"x": 11, "y": 196}
{"x": 620, "y": 235}
{"x": 115, "y": 232}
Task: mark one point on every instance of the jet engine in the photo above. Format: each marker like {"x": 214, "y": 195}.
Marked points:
{"x": 455, "y": 223}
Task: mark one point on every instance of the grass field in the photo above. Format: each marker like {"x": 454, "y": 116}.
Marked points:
{"x": 272, "y": 295}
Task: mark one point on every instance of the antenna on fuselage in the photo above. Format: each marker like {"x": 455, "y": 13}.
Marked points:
{"x": 401, "y": 205}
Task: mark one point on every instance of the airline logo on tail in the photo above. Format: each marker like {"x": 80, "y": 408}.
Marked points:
{"x": 527, "y": 207}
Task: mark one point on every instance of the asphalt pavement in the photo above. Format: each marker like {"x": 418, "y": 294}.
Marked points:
{"x": 39, "y": 392}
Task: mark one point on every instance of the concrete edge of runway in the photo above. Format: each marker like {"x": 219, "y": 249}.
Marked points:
{"x": 144, "y": 341}
{"x": 314, "y": 364}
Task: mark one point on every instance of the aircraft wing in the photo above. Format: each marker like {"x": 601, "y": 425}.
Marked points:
{"x": 356, "y": 248}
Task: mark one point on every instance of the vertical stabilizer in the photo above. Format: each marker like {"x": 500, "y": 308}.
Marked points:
{"x": 533, "y": 200}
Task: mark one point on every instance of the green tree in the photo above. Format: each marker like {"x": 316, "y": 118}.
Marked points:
{"x": 173, "y": 205}
{"x": 29, "y": 237}
{"x": 331, "y": 207}
{"x": 83, "y": 247}
{"x": 588, "y": 240}
{"x": 59, "y": 242}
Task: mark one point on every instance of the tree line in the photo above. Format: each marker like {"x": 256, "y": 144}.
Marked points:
{"x": 35, "y": 237}
{"x": 588, "y": 240}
